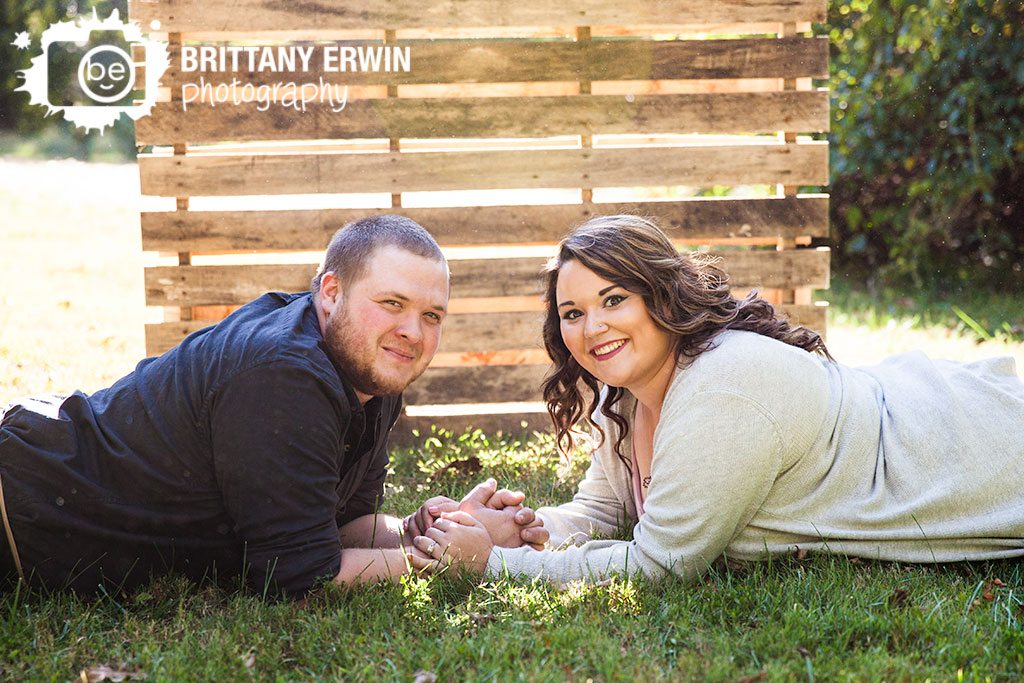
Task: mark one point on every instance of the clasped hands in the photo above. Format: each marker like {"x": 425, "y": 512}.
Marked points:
{"x": 443, "y": 532}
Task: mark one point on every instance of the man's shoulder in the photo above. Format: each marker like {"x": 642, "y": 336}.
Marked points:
{"x": 274, "y": 326}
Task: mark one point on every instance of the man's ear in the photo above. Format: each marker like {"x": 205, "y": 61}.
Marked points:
{"x": 330, "y": 291}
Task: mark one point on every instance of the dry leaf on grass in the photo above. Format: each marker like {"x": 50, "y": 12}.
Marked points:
{"x": 763, "y": 675}
{"x": 424, "y": 677}
{"x": 899, "y": 598}
{"x": 102, "y": 672}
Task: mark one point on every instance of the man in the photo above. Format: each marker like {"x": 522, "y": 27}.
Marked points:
{"x": 255, "y": 447}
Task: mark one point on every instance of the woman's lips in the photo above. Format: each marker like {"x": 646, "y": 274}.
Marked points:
{"x": 606, "y": 351}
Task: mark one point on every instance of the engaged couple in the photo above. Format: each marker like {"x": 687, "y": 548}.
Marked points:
{"x": 258, "y": 446}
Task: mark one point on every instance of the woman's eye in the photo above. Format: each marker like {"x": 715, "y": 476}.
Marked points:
{"x": 614, "y": 300}
{"x": 571, "y": 315}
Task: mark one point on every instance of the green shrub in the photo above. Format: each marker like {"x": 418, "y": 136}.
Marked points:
{"x": 927, "y": 152}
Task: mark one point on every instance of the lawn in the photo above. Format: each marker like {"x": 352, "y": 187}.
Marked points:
{"x": 72, "y": 311}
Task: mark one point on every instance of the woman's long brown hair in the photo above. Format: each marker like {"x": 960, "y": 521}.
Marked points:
{"x": 686, "y": 293}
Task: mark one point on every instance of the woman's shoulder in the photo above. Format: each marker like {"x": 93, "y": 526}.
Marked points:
{"x": 750, "y": 364}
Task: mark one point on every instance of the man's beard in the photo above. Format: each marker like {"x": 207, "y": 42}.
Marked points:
{"x": 349, "y": 351}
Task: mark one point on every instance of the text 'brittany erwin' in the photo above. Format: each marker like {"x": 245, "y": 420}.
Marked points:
{"x": 294, "y": 58}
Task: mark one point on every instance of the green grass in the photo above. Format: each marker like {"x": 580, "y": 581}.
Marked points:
{"x": 979, "y": 314}
{"x": 71, "y": 311}
{"x": 822, "y": 618}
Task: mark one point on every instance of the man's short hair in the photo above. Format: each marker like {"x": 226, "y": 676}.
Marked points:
{"x": 353, "y": 245}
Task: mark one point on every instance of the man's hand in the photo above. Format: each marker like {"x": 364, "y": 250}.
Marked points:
{"x": 418, "y": 522}
{"x": 502, "y": 515}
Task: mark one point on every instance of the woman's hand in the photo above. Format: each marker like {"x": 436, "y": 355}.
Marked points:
{"x": 458, "y": 539}
{"x": 421, "y": 520}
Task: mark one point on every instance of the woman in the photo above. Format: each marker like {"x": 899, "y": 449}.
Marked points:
{"x": 722, "y": 428}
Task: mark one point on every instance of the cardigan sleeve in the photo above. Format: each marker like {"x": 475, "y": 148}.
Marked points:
{"x": 716, "y": 456}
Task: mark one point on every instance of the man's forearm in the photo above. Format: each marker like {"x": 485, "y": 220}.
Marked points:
{"x": 366, "y": 565}
{"x": 372, "y": 531}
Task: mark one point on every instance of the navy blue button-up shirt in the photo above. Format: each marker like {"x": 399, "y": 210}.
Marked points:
{"x": 224, "y": 456}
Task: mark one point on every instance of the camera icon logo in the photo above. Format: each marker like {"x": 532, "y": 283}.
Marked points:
{"x": 110, "y": 70}
{"x": 87, "y": 72}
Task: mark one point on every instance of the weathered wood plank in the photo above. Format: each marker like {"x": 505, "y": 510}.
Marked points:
{"x": 812, "y": 316}
{"x": 471, "y": 333}
{"x": 770, "y": 163}
{"x": 205, "y": 285}
{"x": 259, "y": 15}
{"x": 477, "y": 332}
{"x": 481, "y": 384}
{"x": 483, "y": 225}
{"x": 492, "y": 117}
{"x": 503, "y": 61}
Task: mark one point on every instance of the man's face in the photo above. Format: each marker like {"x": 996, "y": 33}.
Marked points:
{"x": 384, "y": 328}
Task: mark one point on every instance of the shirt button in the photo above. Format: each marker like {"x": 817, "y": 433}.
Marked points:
{"x": 60, "y": 501}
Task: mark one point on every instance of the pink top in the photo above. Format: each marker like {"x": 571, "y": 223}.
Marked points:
{"x": 638, "y": 489}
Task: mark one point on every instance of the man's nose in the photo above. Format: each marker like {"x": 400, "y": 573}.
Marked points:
{"x": 411, "y": 328}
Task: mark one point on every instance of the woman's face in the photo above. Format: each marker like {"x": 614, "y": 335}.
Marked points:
{"x": 610, "y": 333}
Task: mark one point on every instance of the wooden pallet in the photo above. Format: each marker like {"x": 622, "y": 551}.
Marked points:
{"x": 513, "y": 123}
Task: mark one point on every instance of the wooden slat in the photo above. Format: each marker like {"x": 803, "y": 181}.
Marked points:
{"x": 204, "y": 285}
{"x": 777, "y": 269}
{"x": 458, "y": 33}
{"x": 478, "y": 332}
{"x": 798, "y": 164}
{"x": 492, "y": 117}
{"x": 281, "y": 230}
{"x": 514, "y": 61}
{"x": 509, "y": 424}
{"x": 480, "y": 384}
{"x": 812, "y": 316}
{"x": 482, "y": 334}
{"x": 258, "y": 15}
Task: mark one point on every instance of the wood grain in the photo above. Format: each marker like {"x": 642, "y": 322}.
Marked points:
{"x": 509, "y": 61}
{"x": 492, "y": 117}
{"x": 765, "y": 163}
{"x": 262, "y": 15}
{"x": 480, "y": 384}
{"x": 488, "y": 225}
{"x": 206, "y": 285}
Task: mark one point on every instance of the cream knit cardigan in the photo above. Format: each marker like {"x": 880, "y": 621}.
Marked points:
{"x": 763, "y": 447}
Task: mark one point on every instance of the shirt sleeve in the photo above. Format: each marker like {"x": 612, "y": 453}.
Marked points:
{"x": 369, "y": 493}
{"x": 276, "y": 433}
{"x": 715, "y": 460}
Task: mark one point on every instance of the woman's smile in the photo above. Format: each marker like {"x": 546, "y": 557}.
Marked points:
{"x": 606, "y": 351}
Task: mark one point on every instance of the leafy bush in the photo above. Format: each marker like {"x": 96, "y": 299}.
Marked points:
{"x": 927, "y": 151}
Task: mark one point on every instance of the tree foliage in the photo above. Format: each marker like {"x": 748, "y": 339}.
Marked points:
{"x": 926, "y": 142}
{"x": 57, "y": 137}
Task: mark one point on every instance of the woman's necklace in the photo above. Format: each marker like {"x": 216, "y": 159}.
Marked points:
{"x": 646, "y": 482}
